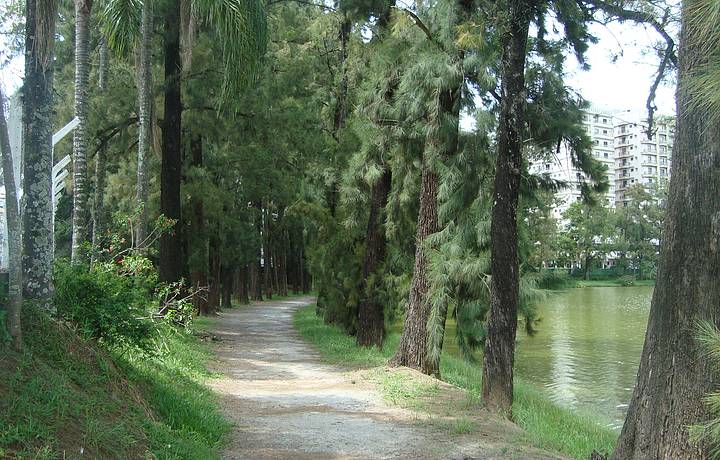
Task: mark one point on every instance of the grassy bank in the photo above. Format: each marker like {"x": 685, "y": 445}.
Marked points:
{"x": 546, "y": 425}
{"x": 576, "y": 283}
{"x": 64, "y": 397}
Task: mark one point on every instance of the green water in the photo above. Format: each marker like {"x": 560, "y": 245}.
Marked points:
{"x": 587, "y": 349}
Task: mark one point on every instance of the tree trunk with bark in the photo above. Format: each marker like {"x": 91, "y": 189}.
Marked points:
{"x": 227, "y": 287}
{"x": 371, "y": 314}
{"x": 145, "y": 97}
{"x": 98, "y": 212}
{"x": 255, "y": 283}
{"x": 215, "y": 264}
{"x": 412, "y": 351}
{"x": 242, "y": 286}
{"x": 267, "y": 255}
{"x": 37, "y": 215}
{"x": 12, "y": 219}
{"x": 675, "y": 374}
{"x": 199, "y": 246}
{"x": 81, "y": 212}
{"x": 499, "y": 356}
{"x": 170, "y": 174}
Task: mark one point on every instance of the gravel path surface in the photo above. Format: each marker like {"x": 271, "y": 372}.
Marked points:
{"x": 287, "y": 404}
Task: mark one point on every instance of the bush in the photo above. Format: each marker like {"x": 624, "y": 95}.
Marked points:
{"x": 104, "y": 305}
{"x": 627, "y": 280}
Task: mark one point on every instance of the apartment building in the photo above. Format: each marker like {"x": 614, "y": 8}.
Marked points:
{"x": 640, "y": 159}
{"x": 621, "y": 143}
{"x": 600, "y": 129}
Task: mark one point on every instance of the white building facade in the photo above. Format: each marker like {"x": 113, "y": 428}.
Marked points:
{"x": 620, "y": 142}
{"x": 639, "y": 159}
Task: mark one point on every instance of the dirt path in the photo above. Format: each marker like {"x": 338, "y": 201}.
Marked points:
{"x": 287, "y": 404}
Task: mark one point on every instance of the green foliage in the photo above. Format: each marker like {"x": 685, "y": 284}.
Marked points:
{"x": 63, "y": 393}
{"x": 707, "y": 433}
{"x": 103, "y": 305}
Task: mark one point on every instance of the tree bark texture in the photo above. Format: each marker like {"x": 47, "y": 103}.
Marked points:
{"x": 170, "y": 173}
{"x": 499, "y": 356}
{"x": 412, "y": 351}
{"x": 81, "y": 212}
{"x": 371, "y": 314}
{"x": 12, "y": 218}
{"x": 37, "y": 214}
{"x": 674, "y": 374}
{"x": 145, "y": 97}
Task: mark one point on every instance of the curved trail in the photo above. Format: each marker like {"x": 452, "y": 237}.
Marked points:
{"x": 286, "y": 404}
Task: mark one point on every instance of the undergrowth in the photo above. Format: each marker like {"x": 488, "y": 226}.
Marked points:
{"x": 65, "y": 396}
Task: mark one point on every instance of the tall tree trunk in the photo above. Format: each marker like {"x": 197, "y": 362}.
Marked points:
{"x": 145, "y": 97}
{"x": 98, "y": 213}
{"x": 242, "y": 286}
{"x": 12, "y": 217}
{"x": 198, "y": 246}
{"x": 170, "y": 177}
{"x": 37, "y": 93}
{"x": 255, "y": 283}
{"x": 499, "y": 356}
{"x": 371, "y": 315}
{"x": 412, "y": 351}
{"x": 215, "y": 264}
{"x": 227, "y": 287}
{"x": 267, "y": 255}
{"x": 674, "y": 374}
{"x": 99, "y": 200}
{"x": 102, "y": 63}
{"x": 82, "y": 76}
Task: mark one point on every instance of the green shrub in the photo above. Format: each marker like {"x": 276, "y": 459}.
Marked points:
{"x": 627, "y": 280}
{"x": 104, "y": 305}
{"x": 707, "y": 433}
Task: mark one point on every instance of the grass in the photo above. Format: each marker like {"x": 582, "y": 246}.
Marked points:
{"x": 546, "y": 425}
{"x": 63, "y": 397}
{"x": 607, "y": 283}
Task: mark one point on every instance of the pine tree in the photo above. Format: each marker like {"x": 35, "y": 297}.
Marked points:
{"x": 674, "y": 376}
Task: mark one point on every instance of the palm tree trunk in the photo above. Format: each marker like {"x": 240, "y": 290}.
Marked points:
{"x": 12, "y": 217}
{"x": 145, "y": 94}
{"x": 81, "y": 212}
{"x": 170, "y": 174}
{"x": 98, "y": 214}
{"x": 499, "y": 356}
{"x": 37, "y": 214}
{"x": 675, "y": 374}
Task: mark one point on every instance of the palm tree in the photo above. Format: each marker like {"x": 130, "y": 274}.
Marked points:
{"x": 144, "y": 130}
{"x": 242, "y": 29}
{"x": 80, "y": 138}
{"x": 37, "y": 149}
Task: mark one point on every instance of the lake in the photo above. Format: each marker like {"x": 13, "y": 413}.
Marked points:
{"x": 587, "y": 349}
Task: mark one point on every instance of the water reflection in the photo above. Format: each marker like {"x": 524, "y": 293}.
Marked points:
{"x": 587, "y": 348}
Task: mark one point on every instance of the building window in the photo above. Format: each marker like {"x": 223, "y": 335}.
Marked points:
{"x": 605, "y": 121}
{"x": 606, "y": 155}
{"x": 663, "y": 138}
{"x": 605, "y": 143}
{"x": 604, "y": 131}
{"x": 663, "y": 171}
